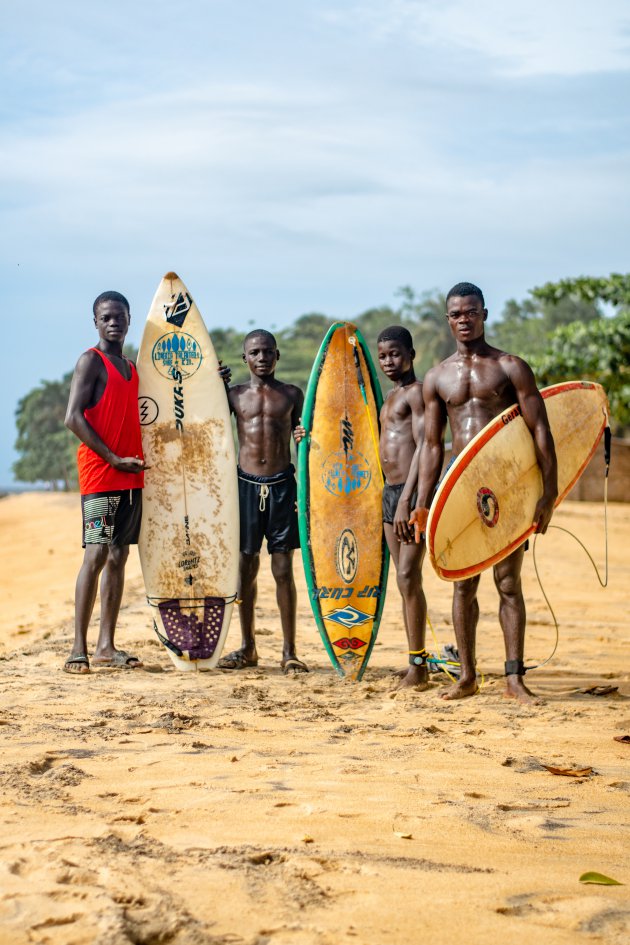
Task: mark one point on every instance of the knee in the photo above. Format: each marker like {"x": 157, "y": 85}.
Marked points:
{"x": 508, "y": 586}
{"x": 249, "y": 565}
{"x": 95, "y": 558}
{"x": 281, "y": 569}
{"x": 466, "y": 591}
{"x": 117, "y": 556}
{"x": 408, "y": 579}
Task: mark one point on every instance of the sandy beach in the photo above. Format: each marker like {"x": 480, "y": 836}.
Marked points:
{"x": 152, "y": 807}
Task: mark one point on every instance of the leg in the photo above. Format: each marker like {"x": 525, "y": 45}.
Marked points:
{"x": 112, "y": 585}
{"x": 465, "y": 618}
{"x": 94, "y": 560}
{"x": 409, "y": 580}
{"x": 246, "y": 655}
{"x": 286, "y": 597}
{"x": 394, "y": 549}
{"x": 507, "y": 578}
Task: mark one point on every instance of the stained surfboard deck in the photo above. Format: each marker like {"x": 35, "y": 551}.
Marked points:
{"x": 484, "y": 506}
{"x": 340, "y": 500}
{"x": 189, "y": 538}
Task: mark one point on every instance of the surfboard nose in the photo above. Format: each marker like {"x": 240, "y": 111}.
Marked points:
{"x": 171, "y": 276}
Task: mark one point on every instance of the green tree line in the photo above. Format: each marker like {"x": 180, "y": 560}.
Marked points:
{"x": 560, "y": 329}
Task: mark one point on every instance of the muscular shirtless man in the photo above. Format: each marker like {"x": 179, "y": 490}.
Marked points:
{"x": 267, "y": 412}
{"x": 470, "y": 388}
{"x": 402, "y": 424}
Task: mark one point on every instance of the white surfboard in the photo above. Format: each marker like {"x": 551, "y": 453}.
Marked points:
{"x": 484, "y": 506}
{"x": 189, "y": 540}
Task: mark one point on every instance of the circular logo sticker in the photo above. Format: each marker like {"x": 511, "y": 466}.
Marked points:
{"x": 347, "y": 556}
{"x": 346, "y": 473}
{"x": 176, "y": 355}
{"x": 148, "y": 410}
{"x": 488, "y": 507}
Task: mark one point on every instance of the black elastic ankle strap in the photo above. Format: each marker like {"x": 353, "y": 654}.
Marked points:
{"x": 418, "y": 658}
{"x": 515, "y": 668}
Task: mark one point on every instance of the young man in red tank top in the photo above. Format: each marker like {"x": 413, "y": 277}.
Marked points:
{"x": 103, "y": 413}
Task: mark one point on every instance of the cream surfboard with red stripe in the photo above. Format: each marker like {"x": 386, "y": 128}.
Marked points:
{"x": 190, "y": 526}
{"x": 484, "y": 506}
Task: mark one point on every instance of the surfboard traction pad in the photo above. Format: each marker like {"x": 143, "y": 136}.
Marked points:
{"x": 350, "y": 662}
{"x": 191, "y": 638}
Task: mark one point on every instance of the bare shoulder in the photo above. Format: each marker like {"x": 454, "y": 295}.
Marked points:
{"x": 236, "y": 392}
{"x": 415, "y": 397}
{"x": 432, "y": 377}
{"x": 518, "y": 370}
{"x": 292, "y": 391}
{"x": 89, "y": 364}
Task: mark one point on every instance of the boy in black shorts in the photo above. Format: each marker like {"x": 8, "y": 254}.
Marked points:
{"x": 267, "y": 413}
{"x": 402, "y": 425}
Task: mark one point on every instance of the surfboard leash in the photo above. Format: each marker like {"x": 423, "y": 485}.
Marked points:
{"x": 559, "y": 528}
{"x": 443, "y": 663}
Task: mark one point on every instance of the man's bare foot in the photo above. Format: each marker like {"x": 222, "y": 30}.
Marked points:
{"x": 461, "y": 690}
{"x": 117, "y": 659}
{"x": 416, "y": 677}
{"x": 399, "y": 673}
{"x": 239, "y": 659}
{"x": 292, "y": 666}
{"x": 77, "y": 665}
{"x": 515, "y": 688}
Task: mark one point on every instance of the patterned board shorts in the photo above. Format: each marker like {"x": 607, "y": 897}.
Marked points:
{"x": 112, "y": 518}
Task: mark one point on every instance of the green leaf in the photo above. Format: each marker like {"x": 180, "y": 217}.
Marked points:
{"x": 599, "y": 879}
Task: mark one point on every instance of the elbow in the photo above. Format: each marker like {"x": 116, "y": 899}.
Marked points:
{"x": 70, "y": 423}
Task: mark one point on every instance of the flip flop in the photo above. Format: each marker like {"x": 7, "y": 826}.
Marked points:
{"x": 236, "y": 660}
{"x": 76, "y": 661}
{"x": 120, "y": 660}
{"x": 294, "y": 667}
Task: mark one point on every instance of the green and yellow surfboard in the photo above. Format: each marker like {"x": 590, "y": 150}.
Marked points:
{"x": 340, "y": 489}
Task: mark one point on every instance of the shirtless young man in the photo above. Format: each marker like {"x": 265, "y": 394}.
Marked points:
{"x": 267, "y": 413}
{"x": 103, "y": 413}
{"x": 402, "y": 424}
{"x": 469, "y": 389}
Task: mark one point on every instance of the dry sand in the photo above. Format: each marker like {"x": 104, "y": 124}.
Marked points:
{"x": 244, "y": 809}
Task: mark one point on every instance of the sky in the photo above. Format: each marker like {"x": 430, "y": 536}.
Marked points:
{"x": 299, "y": 156}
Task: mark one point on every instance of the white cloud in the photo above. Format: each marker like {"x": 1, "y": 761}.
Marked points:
{"x": 519, "y": 38}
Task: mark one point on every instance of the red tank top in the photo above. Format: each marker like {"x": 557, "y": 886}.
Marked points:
{"x": 115, "y": 418}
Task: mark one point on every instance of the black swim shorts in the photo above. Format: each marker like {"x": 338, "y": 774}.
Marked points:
{"x": 391, "y": 495}
{"x": 267, "y": 506}
{"x": 112, "y": 518}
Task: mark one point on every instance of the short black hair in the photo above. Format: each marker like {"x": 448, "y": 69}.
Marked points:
{"x": 397, "y": 333}
{"x": 110, "y": 296}
{"x": 466, "y": 288}
{"x": 269, "y": 338}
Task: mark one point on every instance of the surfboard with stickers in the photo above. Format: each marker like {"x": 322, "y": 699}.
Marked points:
{"x": 189, "y": 540}
{"x": 484, "y": 507}
{"x": 339, "y": 499}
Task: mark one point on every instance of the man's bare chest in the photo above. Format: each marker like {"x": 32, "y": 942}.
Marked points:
{"x": 486, "y": 383}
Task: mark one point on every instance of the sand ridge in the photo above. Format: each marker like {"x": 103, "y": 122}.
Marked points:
{"x": 254, "y": 809}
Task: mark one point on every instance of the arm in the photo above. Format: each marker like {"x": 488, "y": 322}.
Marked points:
{"x": 401, "y": 518}
{"x": 431, "y": 452}
{"x": 296, "y": 416}
{"x": 298, "y": 404}
{"x": 534, "y": 414}
{"x": 85, "y": 391}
